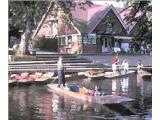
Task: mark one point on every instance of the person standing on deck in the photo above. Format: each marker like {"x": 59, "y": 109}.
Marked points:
{"x": 125, "y": 67}
{"x": 115, "y": 61}
{"x": 61, "y": 76}
{"x": 139, "y": 66}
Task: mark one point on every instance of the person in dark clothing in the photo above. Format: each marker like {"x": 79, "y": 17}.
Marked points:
{"x": 61, "y": 76}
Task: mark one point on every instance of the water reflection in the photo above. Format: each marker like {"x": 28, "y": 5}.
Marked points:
{"x": 64, "y": 108}
{"x": 143, "y": 98}
{"x": 139, "y": 81}
{"x": 27, "y": 103}
{"x": 120, "y": 86}
{"x": 58, "y": 107}
{"x": 124, "y": 85}
{"x": 36, "y": 103}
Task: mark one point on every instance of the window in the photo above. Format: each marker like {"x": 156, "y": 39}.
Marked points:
{"x": 85, "y": 39}
{"x": 117, "y": 43}
{"x": 89, "y": 39}
{"x": 54, "y": 28}
{"x": 109, "y": 28}
{"x": 59, "y": 40}
{"x": 79, "y": 38}
{"x": 69, "y": 39}
{"x": 63, "y": 41}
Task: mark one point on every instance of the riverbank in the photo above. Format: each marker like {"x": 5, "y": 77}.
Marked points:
{"x": 132, "y": 59}
{"x": 47, "y": 61}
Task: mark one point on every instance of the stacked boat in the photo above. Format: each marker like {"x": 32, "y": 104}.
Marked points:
{"x": 30, "y": 78}
{"x": 100, "y": 74}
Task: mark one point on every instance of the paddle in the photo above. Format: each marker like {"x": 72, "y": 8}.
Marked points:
{"x": 53, "y": 80}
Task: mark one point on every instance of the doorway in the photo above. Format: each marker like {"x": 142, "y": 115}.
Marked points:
{"x": 104, "y": 45}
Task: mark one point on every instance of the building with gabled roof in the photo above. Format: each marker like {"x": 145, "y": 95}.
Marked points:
{"x": 94, "y": 29}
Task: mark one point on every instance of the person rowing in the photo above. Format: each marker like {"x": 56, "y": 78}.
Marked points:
{"x": 61, "y": 76}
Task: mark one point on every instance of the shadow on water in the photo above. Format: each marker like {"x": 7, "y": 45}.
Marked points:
{"x": 121, "y": 109}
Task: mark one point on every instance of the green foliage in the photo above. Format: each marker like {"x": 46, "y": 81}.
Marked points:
{"x": 145, "y": 22}
{"x": 46, "y": 43}
{"x": 21, "y": 11}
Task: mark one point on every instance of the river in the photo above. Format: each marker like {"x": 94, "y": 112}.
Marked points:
{"x": 35, "y": 102}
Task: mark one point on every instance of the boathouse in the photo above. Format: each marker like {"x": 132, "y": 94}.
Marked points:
{"x": 94, "y": 29}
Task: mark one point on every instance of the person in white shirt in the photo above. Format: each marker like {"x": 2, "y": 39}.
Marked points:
{"x": 98, "y": 91}
{"x": 61, "y": 76}
{"x": 125, "y": 67}
{"x": 139, "y": 66}
{"x": 114, "y": 69}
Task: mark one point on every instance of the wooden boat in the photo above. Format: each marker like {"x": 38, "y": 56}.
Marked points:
{"x": 107, "y": 99}
{"x": 145, "y": 75}
{"x": 35, "y": 75}
{"x": 25, "y": 81}
{"x": 93, "y": 74}
{"x": 110, "y": 74}
{"x": 98, "y": 76}
{"x": 12, "y": 82}
{"x": 43, "y": 80}
{"x": 46, "y": 78}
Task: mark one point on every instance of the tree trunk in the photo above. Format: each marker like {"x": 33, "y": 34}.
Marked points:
{"x": 23, "y": 47}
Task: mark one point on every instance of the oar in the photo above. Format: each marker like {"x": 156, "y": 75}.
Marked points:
{"x": 53, "y": 81}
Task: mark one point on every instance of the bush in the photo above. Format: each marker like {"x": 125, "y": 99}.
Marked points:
{"x": 45, "y": 43}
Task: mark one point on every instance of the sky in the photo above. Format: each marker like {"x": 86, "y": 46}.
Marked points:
{"x": 113, "y": 2}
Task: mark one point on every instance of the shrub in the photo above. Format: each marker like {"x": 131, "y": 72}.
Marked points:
{"x": 45, "y": 43}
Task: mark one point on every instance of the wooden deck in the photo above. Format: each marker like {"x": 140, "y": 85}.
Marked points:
{"x": 107, "y": 99}
{"x": 108, "y": 75}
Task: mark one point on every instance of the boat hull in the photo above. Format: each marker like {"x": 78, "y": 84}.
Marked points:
{"x": 107, "y": 99}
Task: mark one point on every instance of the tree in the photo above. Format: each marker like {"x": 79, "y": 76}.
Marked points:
{"x": 145, "y": 28}
{"x": 24, "y": 15}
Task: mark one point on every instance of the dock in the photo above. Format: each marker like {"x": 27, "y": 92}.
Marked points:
{"x": 103, "y": 75}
